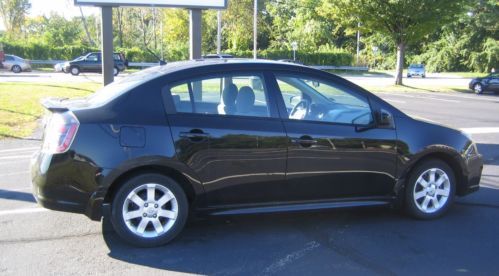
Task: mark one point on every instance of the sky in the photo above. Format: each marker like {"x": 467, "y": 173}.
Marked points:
{"x": 62, "y": 7}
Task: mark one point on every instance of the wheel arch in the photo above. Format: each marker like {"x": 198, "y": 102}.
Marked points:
{"x": 189, "y": 189}
{"x": 452, "y": 159}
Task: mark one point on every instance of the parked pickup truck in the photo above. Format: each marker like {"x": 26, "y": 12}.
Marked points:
{"x": 92, "y": 62}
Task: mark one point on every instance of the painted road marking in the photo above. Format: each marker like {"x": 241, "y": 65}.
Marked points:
{"x": 14, "y": 173}
{"x": 395, "y": 101}
{"x": 481, "y": 130}
{"x": 23, "y": 211}
{"x": 19, "y": 149}
{"x": 15, "y": 157}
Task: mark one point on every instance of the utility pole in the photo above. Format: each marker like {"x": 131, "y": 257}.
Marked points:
{"x": 219, "y": 32}
{"x": 255, "y": 30}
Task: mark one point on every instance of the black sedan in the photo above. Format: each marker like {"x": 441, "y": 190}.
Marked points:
{"x": 224, "y": 137}
{"x": 488, "y": 83}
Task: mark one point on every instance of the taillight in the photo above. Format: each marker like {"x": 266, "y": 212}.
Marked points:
{"x": 60, "y": 132}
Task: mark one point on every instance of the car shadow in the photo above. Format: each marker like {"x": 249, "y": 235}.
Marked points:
{"x": 347, "y": 241}
{"x": 16, "y": 195}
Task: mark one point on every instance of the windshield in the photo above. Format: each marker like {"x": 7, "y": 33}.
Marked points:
{"x": 416, "y": 66}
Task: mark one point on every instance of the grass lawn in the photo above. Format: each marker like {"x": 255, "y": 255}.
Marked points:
{"x": 417, "y": 88}
{"x": 20, "y": 104}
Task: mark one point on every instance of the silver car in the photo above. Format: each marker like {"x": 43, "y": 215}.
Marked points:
{"x": 16, "y": 64}
{"x": 416, "y": 70}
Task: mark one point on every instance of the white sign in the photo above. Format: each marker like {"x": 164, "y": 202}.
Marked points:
{"x": 195, "y": 4}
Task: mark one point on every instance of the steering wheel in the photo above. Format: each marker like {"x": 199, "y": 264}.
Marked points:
{"x": 300, "y": 110}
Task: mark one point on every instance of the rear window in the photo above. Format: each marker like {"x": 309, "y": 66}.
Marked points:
{"x": 112, "y": 91}
{"x": 416, "y": 66}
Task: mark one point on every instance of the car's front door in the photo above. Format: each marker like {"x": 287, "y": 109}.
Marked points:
{"x": 226, "y": 129}
{"x": 335, "y": 151}
{"x": 494, "y": 82}
{"x": 92, "y": 63}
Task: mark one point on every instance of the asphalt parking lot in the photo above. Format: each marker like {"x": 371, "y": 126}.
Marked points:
{"x": 359, "y": 241}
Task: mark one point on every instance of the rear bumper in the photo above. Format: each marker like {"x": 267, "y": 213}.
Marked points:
{"x": 60, "y": 183}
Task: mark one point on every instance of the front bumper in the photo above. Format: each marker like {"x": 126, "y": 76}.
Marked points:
{"x": 61, "y": 183}
{"x": 471, "y": 181}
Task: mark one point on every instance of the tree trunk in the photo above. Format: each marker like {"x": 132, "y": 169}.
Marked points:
{"x": 400, "y": 63}
{"x": 86, "y": 28}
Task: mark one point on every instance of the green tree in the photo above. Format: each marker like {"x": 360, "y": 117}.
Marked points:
{"x": 13, "y": 13}
{"x": 404, "y": 21}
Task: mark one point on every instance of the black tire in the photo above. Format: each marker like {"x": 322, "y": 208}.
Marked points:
{"x": 423, "y": 76}
{"x": 120, "y": 198}
{"x": 74, "y": 70}
{"x": 17, "y": 69}
{"x": 411, "y": 206}
{"x": 478, "y": 88}
{"x": 116, "y": 71}
{"x": 409, "y": 76}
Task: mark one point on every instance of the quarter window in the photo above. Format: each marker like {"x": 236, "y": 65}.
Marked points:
{"x": 240, "y": 95}
{"x": 319, "y": 100}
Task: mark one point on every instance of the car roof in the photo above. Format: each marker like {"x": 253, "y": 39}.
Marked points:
{"x": 158, "y": 71}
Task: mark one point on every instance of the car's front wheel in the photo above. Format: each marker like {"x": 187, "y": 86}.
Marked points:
{"x": 430, "y": 189}
{"x": 75, "y": 71}
{"x": 478, "y": 88}
{"x": 149, "y": 210}
{"x": 17, "y": 69}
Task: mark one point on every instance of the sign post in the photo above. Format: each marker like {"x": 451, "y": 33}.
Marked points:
{"x": 195, "y": 6}
{"x": 107, "y": 45}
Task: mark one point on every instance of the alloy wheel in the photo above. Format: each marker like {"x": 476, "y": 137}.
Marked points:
{"x": 478, "y": 88}
{"x": 431, "y": 191}
{"x": 150, "y": 210}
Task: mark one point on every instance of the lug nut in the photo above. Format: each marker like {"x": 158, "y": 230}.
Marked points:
{"x": 145, "y": 205}
{"x": 155, "y": 205}
{"x": 145, "y": 215}
{"x": 154, "y": 216}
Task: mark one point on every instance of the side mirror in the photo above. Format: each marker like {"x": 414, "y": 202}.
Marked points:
{"x": 385, "y": 119}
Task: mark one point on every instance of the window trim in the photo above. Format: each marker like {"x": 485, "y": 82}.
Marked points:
{"x": 349, "y": 89}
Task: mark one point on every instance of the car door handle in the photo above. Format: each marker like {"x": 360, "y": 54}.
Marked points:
{"x": 305, "y": 141}
{"x": 195, "y": 135}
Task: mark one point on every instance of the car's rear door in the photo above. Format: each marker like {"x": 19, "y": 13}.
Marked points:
{"x": 335, "y": 151}
{"x": 226, "y": 128}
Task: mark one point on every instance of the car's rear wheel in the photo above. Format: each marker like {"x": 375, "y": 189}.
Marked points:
{"x": 75, "y": 70}
{"x": 430, "y": 189}
{"x": 478, "y": 88}
{"x": 116, "y": 71}
{"x": 424, "y": 76}
{"x": 17, "y": 69}
{"x": 149, "y": 210}
{"x": 409, "y": 76}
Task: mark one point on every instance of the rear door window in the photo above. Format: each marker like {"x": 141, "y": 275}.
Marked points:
{"x": 230, "y": 94}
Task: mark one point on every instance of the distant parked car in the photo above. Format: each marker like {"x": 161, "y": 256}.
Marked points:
{"x": 16, "y": 64}
{"x": 92, "y": 62}
{"x": 59, "y": 67}
{"x": 488, "y": 83}
{"x": 217, "y": 56}
{"x": 416, "y": 70}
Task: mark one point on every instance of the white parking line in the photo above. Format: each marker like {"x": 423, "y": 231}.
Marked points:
{"x": 15, "y": 157}
{"x": 481, "y": 130}
{"x": 14, "y": 173}
{"x": 23, "y": 211}
{"x": 19, "y": 149}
